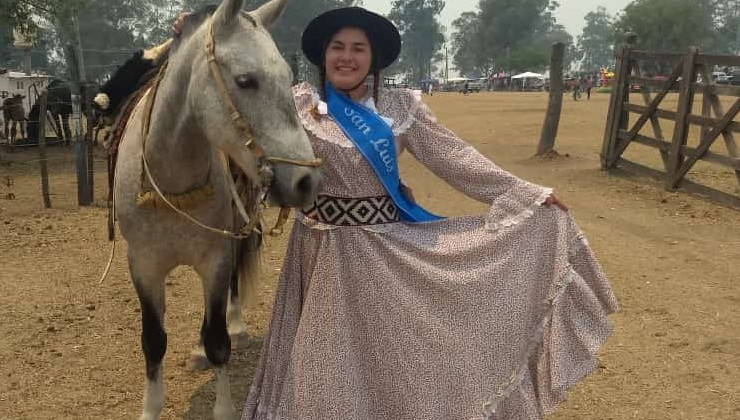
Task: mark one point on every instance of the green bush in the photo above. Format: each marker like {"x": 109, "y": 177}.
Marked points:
{"x": 606, "y": 89}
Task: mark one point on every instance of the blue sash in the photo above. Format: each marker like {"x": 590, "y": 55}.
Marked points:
{"x": 375, "y": 141}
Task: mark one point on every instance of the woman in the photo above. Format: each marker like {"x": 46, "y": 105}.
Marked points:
{"x": 386, "y": 311}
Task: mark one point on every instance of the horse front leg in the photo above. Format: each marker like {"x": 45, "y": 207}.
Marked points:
{"x": 216, "y": 272}
{"x": 148, "y": 280}
{"x": 235, "y": 324}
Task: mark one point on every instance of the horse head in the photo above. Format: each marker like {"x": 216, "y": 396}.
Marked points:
{"x": 254, "y": 87}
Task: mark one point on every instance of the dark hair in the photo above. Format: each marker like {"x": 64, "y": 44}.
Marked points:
{"x": 374, "y": 67}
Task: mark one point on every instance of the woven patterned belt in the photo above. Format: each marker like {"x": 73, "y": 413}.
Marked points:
{"x": 353, "y": 211}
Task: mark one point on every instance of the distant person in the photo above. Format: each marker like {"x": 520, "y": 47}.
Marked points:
{"x": 576, "y": 89}
{"x": 466, "y": 88}
{"x": 430, "y": 89}
{"x": 589, "y": 86}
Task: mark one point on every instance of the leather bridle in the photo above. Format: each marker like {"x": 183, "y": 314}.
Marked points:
{"x": 238, "y": 120}
{"x": 262, "y": 160}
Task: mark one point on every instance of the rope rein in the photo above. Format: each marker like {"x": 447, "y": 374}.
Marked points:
{"x": 236, "y": 117}
{"x": 146, "y": 172}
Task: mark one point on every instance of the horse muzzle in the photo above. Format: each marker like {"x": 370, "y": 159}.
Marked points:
{"x": 294, "y": 186}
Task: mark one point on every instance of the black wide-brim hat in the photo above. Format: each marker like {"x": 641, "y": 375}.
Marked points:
{"x": 381, "y": 32}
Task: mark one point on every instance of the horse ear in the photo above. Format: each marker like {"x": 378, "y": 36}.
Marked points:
{"x": 270, "y": 12}
{"x": 227, "y": 11}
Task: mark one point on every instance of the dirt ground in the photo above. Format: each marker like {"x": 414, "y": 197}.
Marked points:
{"x": 69, "y": 347}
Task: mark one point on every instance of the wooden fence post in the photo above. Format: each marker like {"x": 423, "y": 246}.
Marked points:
{"x": 42, "y": 150}
{"x": 87, "y": 97}
{"x": 617, "y": 117}
{"x": 555, "y": 104}
{"x": 631, "y": 40}
{"x": 681, "y": 129}
{"x": 83, "y": 186}
{"x": 716, "y": 105}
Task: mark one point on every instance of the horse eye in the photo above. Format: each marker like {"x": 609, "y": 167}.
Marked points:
{"x": 247, "y": 81}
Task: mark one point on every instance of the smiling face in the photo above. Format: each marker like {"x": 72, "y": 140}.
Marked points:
{"x": 348, "y": 58}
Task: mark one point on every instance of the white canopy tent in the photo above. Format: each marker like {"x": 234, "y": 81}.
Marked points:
{"x": 528, "y": 75}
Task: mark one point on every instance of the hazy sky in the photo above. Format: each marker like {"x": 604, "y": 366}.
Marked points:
{"x": 570, "y": 13}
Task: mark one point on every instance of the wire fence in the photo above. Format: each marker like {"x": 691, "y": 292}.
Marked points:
{"x": 20, "y": 175}
{"x": 56, "y": 135}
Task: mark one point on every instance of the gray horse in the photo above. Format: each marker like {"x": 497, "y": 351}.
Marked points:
{"x": 191, "y": 124}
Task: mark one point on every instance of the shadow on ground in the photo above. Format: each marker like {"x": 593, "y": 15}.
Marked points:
{"x": 244, "y": 359}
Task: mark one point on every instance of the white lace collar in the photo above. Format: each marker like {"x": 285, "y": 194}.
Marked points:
{"x": 367, "y": 101}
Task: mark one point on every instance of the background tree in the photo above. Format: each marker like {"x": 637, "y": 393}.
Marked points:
{"x": 422, "y": 36}
{"x": 549, "y": 33}
{"x": 18, "y": 13}
{"x": 669, "y": 25}
{"x": 42, "y": 21}
{"x": 596, "y": 42}
{"x": 10, "y": 57}
{"x": 287, "y": 31}
{"x": 111, "y": 30}
{"x": 468, "y": 56}
{"x": 517, "y": 34}
{"x": 727, "y": 20}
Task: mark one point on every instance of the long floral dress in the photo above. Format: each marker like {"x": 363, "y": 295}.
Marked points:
{"x": 479, "y": 317}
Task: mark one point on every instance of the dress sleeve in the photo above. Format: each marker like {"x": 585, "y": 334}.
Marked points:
{"x": 458, "y": 163}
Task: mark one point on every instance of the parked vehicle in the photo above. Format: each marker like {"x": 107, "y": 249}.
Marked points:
{"x": 475, "y": 86}
{"x": 539, "y": 84}
{"x": 457, "y": 84}
{"x": 735, "y": 79}
{"x": 720, "y": 78}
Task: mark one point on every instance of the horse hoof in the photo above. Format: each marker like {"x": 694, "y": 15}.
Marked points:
{"x": 198, "y": 362}
{"x": 226, "y": 412}
{"x": 240, "y": 340}
{"x": 237, "y": 328}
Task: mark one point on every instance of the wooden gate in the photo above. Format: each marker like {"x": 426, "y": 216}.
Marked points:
{"x": 691, "y": 75}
